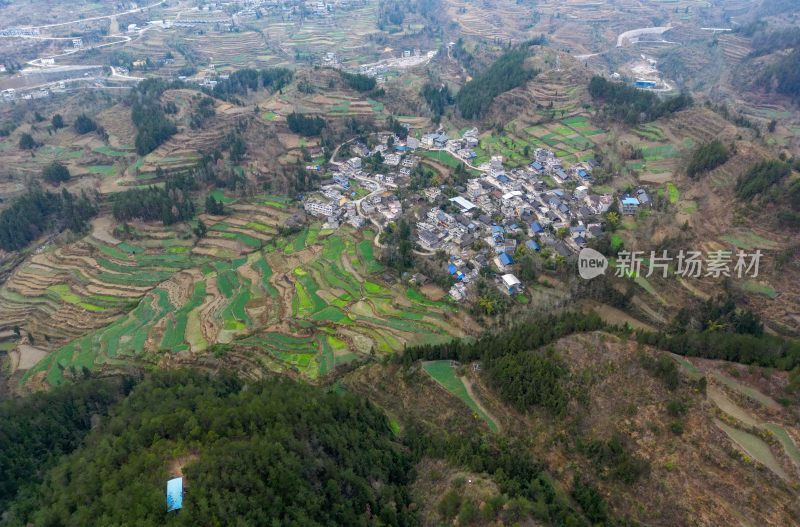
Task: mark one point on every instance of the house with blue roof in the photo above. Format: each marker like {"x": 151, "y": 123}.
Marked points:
{"x": 502, "y": 178}
{"x": 628, "y": 205}
{"x": 537, "y": 166}
{"x": 452, "y": 269}
{"x": 503, "y": 261}
{"x": 536, "y": 227}
{"x": 532, "y": 245}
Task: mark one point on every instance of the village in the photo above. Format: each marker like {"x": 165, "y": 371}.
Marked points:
{"x": 544, "y": 207}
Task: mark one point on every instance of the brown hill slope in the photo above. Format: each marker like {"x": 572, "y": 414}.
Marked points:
{"x": 713, "y": 452}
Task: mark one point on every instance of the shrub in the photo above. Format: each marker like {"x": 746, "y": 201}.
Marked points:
{"x": 84, "y": 124}
{"x": 55, "y": 173}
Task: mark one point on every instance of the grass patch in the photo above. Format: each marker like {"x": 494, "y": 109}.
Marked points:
{"x": 672, "y": 193}
{"x": 758, "y": 288}
{"x": 445, "y": 375}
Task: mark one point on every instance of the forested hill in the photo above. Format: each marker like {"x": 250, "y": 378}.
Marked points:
{"x": 273, "y": 454}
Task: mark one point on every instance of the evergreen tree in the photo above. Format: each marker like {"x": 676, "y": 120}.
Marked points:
{"x": 57, "y": 121}
{"x": 27, "y": 142}
{"x": 55, "y": 173}
{"x": 84, "y": 124}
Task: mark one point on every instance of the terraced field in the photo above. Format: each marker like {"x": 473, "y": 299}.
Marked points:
{"x": 572, "y": 139}
{"x": 305, "y": 303}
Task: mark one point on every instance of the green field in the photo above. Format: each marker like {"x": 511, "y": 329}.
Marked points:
{"x": 759, "y": 289}
{"x": 755, "y": 447}
{"x": 445, "y": 375}
{"x": 440, "y": 156}
{"x": 331, "y": 304}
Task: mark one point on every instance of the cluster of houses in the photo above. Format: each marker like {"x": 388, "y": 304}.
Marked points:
{"x": 462, "y": 148}
{"x": 486, "y": 223}
{"x": 407, "y": 59}
{"x": 495, "y": 214}
{"x": 336, "y": 202}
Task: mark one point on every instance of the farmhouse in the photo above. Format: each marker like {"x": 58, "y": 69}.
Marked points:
{"x": 628, "y": 205}
{"x": 465, "y": 204}
{"x": 511, "y": 284}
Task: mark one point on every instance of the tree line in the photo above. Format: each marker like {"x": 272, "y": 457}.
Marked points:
{"x": 37, "y": 212}
{"x": 437, "y": 96}
{"x": 762, "y": 177}
{"x": 632, "y": 105}
{"x": 358, "y": 82}
{"x": 246, "y": 80}
{"x": 153, "y": 127}
{"x": 506, "y": 73}
{"x": 169, "y": 204}
{"x": 307, "y": 125}
{"x": 707, "y": 157}
{"x": 40, "y": 428}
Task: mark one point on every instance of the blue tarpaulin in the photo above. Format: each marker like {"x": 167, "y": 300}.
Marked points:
{"x": 174, "y": 494}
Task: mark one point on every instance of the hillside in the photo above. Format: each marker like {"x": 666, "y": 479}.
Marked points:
{"x": 364, "y": 471}
{"x": 713, "y": 452}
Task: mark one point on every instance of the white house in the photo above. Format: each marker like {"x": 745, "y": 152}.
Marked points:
{"x": 511, "y": 284}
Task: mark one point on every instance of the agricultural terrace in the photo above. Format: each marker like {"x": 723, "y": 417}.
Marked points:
{"x": 303, "y": 304}
{"x": 572, "y": 139}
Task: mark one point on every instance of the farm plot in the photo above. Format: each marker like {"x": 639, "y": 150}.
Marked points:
{"x": 444, "y": 374}
{"x": 304, "y": 304}
{"x": 572, "y": 139}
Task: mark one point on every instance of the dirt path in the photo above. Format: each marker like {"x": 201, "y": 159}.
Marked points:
{"x": 468, "y": 385}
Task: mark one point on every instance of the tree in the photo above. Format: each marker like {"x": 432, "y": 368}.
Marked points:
{"x": 214, "y": 207}
{"x": 305, "y": 125}
{"x": 57, "y": 121}
{"x": 27, "y": 142}
{"x": 772, "y": 125}
{"x": 613, "y": 220}
{"x": 488, "y": 305}
{"x": 707, "y": 157}
{"x": 55, "y": 173}
{"x": 201, "y": 229}
{"x": 84, "y": 124}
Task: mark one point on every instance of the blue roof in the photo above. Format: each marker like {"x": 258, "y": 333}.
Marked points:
{"x": 531, "y": 244}
{"x": 502, "y": 178}
{"x": 451, "y": 269}
{"x": 174, "y": 494}
{"x": 497, "y": 228}
{"x": 583, "y": 174}
{"x": 505, "y": 259}
{"x": 536, "y": 227}
{"x": 630, "y": 201}
{"x": 401, "y": 148}
{"x": 536, "y": 165}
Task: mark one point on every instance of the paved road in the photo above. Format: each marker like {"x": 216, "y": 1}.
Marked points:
{"x": 137, "y": 10}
